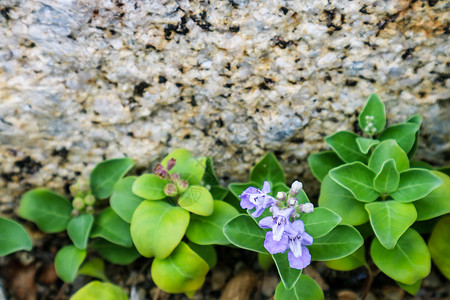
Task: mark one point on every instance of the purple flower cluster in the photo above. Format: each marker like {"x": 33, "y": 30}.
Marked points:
{"x": 287, "y": 233}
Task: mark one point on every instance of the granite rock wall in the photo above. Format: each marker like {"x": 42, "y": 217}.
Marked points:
{"x": 83, "y": 80}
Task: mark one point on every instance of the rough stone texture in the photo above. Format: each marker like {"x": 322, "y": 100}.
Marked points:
{"x": 83, "y": 80}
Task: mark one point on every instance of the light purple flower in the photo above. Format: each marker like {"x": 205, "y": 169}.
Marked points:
{"x": 255, "y": 198}
{"x": 273, "y": 246}
{"x": 279, "y": 222}
{"x": 299, "y": 257}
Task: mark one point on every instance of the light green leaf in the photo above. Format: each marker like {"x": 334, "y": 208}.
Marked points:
{"x": 305, "y": 289}
{"x": 437, "y": 202}
{"x": 243, "y": 232}
{"x": 67, "y": 262}
{"x": 365, "y": 144}
{"x": 206, "y": 252}
{"x": 411, "y": 288}
{"x": 440, "y": 247}
{"x": 289, "y": 276}
{"x": 114, "y": 253}
{"x": 388, "y": 150}
{"x": 190, "y": 168}
{"x": 13, "y": 237}
{"x": 321, "y": 163}
{"x": 373, "y": 113}
{"x": 157, "y": 227}
{"x": 123, "y": 201}
{"x": 404, "y": 134}
{"x": 197, "y": 200}
{"x": 111, "y": 227}
{"x": 341, "y": 201}
{"x": 408, "y": 262}
{"x": 150, "y": 187}
{"x": 387, "y": 179}
{"x": 94, "y": 268}
{"x": 209, "y": 230}
{"x": 50, "y": 211}
{"x": 348, "y": 263}
{"x": 268, "y": 169}
{"x": 183, "y": 271}
{"x": 415, "y": 184}
{"x": 79, "y": 228}
{"x": 345, "y": 145}
{"x": 340, "y": 242}
{"x": 105, "y": 175}
{"x": 358, "y": 179}
{"x": 390, "y": 219}
{"x": 320, "y": 222}
{"x": 96, "y": 290}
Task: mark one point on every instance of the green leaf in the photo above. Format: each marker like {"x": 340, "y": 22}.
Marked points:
{"x": 289, "y": 276}
{"x": 345, "y": 145}
{"x": 408, "y": 262}
{"x": 358, "y": 179}
{"x": 157, "y": 227}
{"x": 114, "y": 253}
{"x": 243, "y": 232}
{"x": 415, "y": 184}
{"x": 111, "y": 227}
{"x": 209, "y": 178}
{"x": 320, "y": 222}
{"x": 373, "y": 113}
{"x": 411, "y": 288}
{"x": 387, "y": 179}
{"x": 340, "y": 242}
{"x": 321, "y": 163}
{"x": 206, "y": 252}
{"x": 440, "y": 247}
{"x": 268, "y": 169}
{"x": 404, "y": 134}
{"x": 420, "y": 165}
{"x": 50, "y": 211}
{"x": 209, "y": 230}
{"x": 183, "y": 271}
{"x": 365, "y": 144}
{"x": 305, "y": 289}
{"x": 218, "y": 192}
{"x": 79, "y": 228}
{"x": 341, "y": 201}
{"x": 197, "y": 200}
{"x": 67, "y": 262}
{"x": 150, "y": 187}
{"x": 100, "y": 290}
{"x": 265, "y": 261}
{"x": 437, "y": 202}
{"x": 390, "y": 219}
{"x": 13, "y": 237}
{"x": 123, "y": 201}
{"x": 105, "y": 175}
{"x": 190, "y": 168}
{"x": 416, "y": 119}
{"x": 94, "y": 268}
{"x": 350, "y": 262}
{"x": 388, "y": 150}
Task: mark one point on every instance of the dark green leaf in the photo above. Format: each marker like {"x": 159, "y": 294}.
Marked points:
{"x": 440, "y": 247}
{"x": 358, "y": 179}
{"x": 289, "y": 276}
{"x": 416, "y": 184}
{"x": 79, "y": 228}
{"x": 321, "y": 163}
{"x": 320, "y": 222}
{"x": 218, "y": 192}
{"x": 67, "y": 262}
{"x": 265, "y": 261}
{"x": 105, "y": 175}
{"x": 416, "y": 119}
{"x": 387, "y": 179}
{"x": 114, "y": 253}
{"x": 50, "y": 211}
{"x": 373, "y": 117}
{"x": 420, "y": 165}
{"x": 388, "y": 150}
{"x": 13, "y": 237}
{"x": 345, "y": 145}
{"x": 268, "y": 169}
{"x": 404, "y": 134}
{"x": 111, "y": 227}
{"x": 210, "y": 178}
{"x": 150, "y": 187}
{"x": 305, "y": 289}
{"x": 437, "y": 202}
{"x": 243, "y": 232}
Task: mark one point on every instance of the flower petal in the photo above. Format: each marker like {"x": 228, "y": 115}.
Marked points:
{"x": 298, "y": 226}
{"x": 266, "y": 222}
{"x": 275, "y": 246}
{"x": 299, "y": 262}
{"x": 259, "y": 210}
{"x": 306, "y": 239}
{"x": 266, "y": 187}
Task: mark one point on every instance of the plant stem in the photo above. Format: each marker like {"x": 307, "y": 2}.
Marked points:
{"x": 368, "y": 284}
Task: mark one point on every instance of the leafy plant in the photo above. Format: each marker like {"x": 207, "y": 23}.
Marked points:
{"x": 299, "y": 232}
{"x": 372, "y": 179}
{"x": 13, "y": 237}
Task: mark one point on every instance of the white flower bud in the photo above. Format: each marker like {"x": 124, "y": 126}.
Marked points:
{"x": 89, "y": 200}
{"x": 296, "y": 187}
{"x": 292, "y": 202}
{"x": 78, "y": 203}
{"x": 281, "y": 196}
{"x": 307, "y": 208}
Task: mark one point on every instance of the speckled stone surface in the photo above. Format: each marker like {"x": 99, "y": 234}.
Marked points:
{"x": 83, "y": 80}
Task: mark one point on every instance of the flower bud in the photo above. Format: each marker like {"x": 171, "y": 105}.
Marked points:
{"x": 292, "y": 202}
{"x": 90, "y": 210}
{"x": 281, "y": 196}
{"x": 83, "y": 185}
{"x": 307, "y": 208}
{"x": 89, "y": 200}
{"x": 182, "y": 185}
{"x": 296, "y": 187}
{"x": 73, "y": 190}
{"x": 170, "y": 190}
{"x": 160, "y": 171}
{"x": 78, "y": 203}
{"x": 171, "y": 163}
